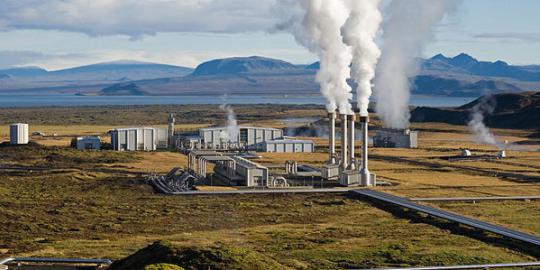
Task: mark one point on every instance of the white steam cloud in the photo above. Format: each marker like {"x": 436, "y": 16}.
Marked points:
{"x": 408, "y": 27}
{"x": 482, "y": 134}
{"x": 317, "y": 26}
{"x": 233, "y": 130}
{"x": 359, "y": 32}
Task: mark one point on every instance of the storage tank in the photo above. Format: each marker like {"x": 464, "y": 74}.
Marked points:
{"x": 18, "y": 133}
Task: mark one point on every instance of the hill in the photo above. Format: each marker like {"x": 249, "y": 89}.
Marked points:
{"x": 440, "y": 86}
{"x": 243, "y": 65}
{"x": 24, "y": 72}
{"x": 511, "y": 110}
{"x": 176, "y": 257}
{"x": 120, "y": 70}
{"x": 128, "y": 89}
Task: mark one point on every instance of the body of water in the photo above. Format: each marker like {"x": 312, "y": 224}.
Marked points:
{"x": 7, "y": 101}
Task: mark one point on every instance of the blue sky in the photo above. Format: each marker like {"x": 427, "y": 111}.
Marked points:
{"x": 185, "y": 33}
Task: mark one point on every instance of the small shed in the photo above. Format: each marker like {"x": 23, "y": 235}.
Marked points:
{"x": 88, "y": 143}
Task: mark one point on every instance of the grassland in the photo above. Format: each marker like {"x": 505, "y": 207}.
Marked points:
{"x": 95, "y": 215}
{"x": 62, "y": 202}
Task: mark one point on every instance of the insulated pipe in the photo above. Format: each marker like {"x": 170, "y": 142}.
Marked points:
{"x": 344, "y": 156}
{"x": 332, "y": 138}
{"x": 352, "y": 119}
{"x": 364, "y": 172}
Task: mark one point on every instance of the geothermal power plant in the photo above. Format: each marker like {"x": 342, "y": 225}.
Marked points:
{"x": 345, "y": 167}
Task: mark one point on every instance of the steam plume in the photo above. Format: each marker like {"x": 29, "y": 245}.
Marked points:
{"x": 482, "y": 134}
{"x": 359, "y": 32}
{"x": 233, "y": 129}
{"x": 408, "y": 27}
{"x": 316, "y": 26}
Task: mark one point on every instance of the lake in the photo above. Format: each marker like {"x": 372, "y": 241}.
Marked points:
{"x": 73, "y": 100}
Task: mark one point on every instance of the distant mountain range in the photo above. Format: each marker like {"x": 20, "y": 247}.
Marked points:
{"x": 97, "y": 74}
{"x": 462, "y": 75}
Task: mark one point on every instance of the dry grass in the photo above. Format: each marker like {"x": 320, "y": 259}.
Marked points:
{"x": 78, "y": 209}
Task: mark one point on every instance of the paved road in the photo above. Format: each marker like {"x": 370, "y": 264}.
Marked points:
{"x": 525, "y": 237}
{"x": 265, "y": 191}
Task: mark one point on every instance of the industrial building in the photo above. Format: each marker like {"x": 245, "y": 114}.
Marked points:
{"x": 18, "y": 133}
{"x": 288, "y": 146}
{"x": 248, "y": 137}
{"x": 236, "y": 170}
{"x": 395, "y": 138}
{"x": 88, "y": 143}
{"x": 139, "y": 139}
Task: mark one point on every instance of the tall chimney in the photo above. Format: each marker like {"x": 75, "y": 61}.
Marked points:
{"x": 364, "y": 172}
{"x": 352, "y": 119}
{"x": 171, "y": 129}
{"x": 344, "y": 145}
{"x": 332, "y": 138}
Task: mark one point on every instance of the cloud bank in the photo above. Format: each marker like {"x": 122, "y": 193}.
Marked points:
{"x": 137, "y": 18}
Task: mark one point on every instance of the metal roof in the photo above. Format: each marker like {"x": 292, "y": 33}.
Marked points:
{"x": 288, "y": 141}
{"x": 240, "y": 127}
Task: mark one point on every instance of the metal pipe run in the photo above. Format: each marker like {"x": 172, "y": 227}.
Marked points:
{"x": 332, "y": 138}
{"x": 352, "y": 119}
{"x": 56, "y": 260}
{"x": 344, "y": 156}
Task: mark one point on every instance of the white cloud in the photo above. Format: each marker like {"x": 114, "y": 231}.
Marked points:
{"x": 509, "y": 37}
{"x": 136, "y": 18}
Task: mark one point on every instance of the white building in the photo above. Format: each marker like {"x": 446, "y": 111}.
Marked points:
{"x": 248, "y": 137}
{"x": 255, "y": 174}
{"x": 139, "y": 139}
{"x": 18, "y": 133}
{"x": 288, "y": 146}
{"x": 88, "y": 143}
{"x": 390, "y": 138}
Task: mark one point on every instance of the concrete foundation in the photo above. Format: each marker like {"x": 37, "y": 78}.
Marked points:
{"x": 349, "y": 178}
{"x": 330, "y": 171}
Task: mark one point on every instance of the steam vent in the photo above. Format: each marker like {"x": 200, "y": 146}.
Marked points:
{"x": 345, "y": 167}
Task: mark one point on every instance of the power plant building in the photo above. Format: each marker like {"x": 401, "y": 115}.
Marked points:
{"x": 18, "y": 133}
{"x": 393, "y": 138}
{"x": 288, "y": 146}
{"x": 254, "y": 174}
{"x": 139, "y": 139}
{"x": 88, "y": 143}
{"x": 248, "y": 137}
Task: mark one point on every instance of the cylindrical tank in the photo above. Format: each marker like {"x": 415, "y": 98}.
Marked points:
{"x": 18, "y": 133}
{"x": 466, "y": 153}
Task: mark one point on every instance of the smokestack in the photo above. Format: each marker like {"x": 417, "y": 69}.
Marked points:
{"x": 344, "y": 145}
{"x": 332, "y": 138}
{"x": 364, "y": 172}
{"x": 171, "y": 129}
{"x": 352, "y": 119}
